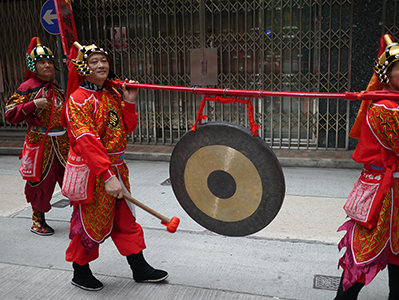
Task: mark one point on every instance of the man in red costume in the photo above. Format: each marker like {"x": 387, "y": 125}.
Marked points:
{"x": 33, "y": 102}
{"x": 96, "y": 176}
{"x": 372, "y": 233}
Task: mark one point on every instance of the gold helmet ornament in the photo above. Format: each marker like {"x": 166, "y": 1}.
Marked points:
{"x": 387, "y": 58}
{"x": 84, "y": 53}
{"x": 38, "y": 53}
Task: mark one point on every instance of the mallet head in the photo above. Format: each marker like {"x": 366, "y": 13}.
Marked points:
{"x": 172, "y": 225}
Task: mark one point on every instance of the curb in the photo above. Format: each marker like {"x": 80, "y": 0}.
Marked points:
{"x": 148, "y": 156}
{"x": 284, "y": 161}
{"x": 319, "y": 163}
{"x": 10, "y": 150}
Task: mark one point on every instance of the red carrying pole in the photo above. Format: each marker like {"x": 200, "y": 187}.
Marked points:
{"x": 374, "y": 95}
{"x": 232, "y": 92}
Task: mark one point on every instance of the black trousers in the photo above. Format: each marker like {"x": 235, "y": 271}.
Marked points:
{"x": 353, "y": 291}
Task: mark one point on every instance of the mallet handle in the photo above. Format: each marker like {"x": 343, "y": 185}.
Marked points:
{"x": 146, "y": 208}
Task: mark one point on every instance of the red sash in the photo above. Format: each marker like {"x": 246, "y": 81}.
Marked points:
{"x": 97, "y": 208}
{"x": 79, "y": 181}
{"x": 365, "y": 200}
{"x": 32, "y": 154}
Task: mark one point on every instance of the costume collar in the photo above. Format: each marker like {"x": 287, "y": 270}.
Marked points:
{"x": 90, "y": 86}
{"x": 31, "y": 85}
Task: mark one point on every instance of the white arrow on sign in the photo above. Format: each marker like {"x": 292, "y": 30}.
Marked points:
{"x": 48, "y": 17}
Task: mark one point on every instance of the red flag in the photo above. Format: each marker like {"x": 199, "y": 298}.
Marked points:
{"x": 66, "y": 24}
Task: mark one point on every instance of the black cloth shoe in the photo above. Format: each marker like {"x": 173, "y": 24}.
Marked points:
{"x": 149, "y": 274}
{"x": 40, "y": 226}
{"x": 142, "y": 271}
{"x": 83, "y": 278}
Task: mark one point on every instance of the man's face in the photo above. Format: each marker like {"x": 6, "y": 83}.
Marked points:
{"x": 98, "y": 63}
{"x": 45, "y": 69}
{"x": 394, "y": 76}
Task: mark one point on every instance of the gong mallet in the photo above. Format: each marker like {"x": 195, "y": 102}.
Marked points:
{"x": 171, "y": 224}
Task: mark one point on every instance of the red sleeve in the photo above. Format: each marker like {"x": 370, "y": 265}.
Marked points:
{"x": 95, "y": 155}
{"x": 378, "y": 142}
{"x": 130, "y": 117}
{"x": 383, "y": 121}
{"x": 18, "y": 108}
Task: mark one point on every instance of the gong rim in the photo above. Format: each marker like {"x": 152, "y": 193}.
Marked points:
{"x": 239, "y": 139}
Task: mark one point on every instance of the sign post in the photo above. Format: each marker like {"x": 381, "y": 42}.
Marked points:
{"x": 48, "y": 18}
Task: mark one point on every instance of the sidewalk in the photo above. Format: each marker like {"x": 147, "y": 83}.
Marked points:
{"x": 294, "y": 258}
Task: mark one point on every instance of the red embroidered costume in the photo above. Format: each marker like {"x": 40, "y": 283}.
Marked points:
{"x": 22, "y": 107}
{"x": 97, "y": 121}
{"x": 378, "y": 146}
{"x": 97, "y": 124}
{"x": 372, "y": 245}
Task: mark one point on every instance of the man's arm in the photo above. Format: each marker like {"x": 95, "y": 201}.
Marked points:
{"x": 18, "y": 108}
{"x": 130, "y": 116}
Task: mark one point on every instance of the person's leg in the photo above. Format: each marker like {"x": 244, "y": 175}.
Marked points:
{"x": 39, "y": 196}
{"x": 349, "y": 294}
{"x": 128, "y": 237}
{"x": 80, "y": 252}
{"x": 393, "y": 273}
{"x": 84, "y": 278}
{"x": 142, "y": 271}
{"x": 40, "y": 225}
{"x": 59, "y": 173}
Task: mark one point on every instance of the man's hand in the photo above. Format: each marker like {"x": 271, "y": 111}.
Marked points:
{"x": 129, "y": 94}
{"x": 41, "y": 103}
{"x": 114, "y": 188}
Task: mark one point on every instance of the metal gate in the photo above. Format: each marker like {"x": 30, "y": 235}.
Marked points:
{"x": 280, "y": 45}
{"x": 268, "y": 45}
{"x": 19, "y": 23}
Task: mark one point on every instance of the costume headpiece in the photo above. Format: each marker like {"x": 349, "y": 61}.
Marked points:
{"x": 39, "y": 52}
{"x": 387, "y": 58}
{"x": 84, "y": 53}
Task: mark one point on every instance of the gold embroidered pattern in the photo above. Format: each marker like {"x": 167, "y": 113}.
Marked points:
{"x": 385, "y": 124}
{"x": 44, "y": 118}
{"x": 113, "y": 119}
{"x": 93, "y": 116}
{"x": 368, "y": 243}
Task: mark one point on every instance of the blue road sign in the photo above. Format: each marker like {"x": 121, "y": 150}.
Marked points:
{"x": 48, "y": 17}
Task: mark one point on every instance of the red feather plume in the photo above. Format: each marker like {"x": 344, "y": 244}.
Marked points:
{"x": 29, "y": 74}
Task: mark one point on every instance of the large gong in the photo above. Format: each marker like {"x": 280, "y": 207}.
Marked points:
{"x": 227, "y": 180}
